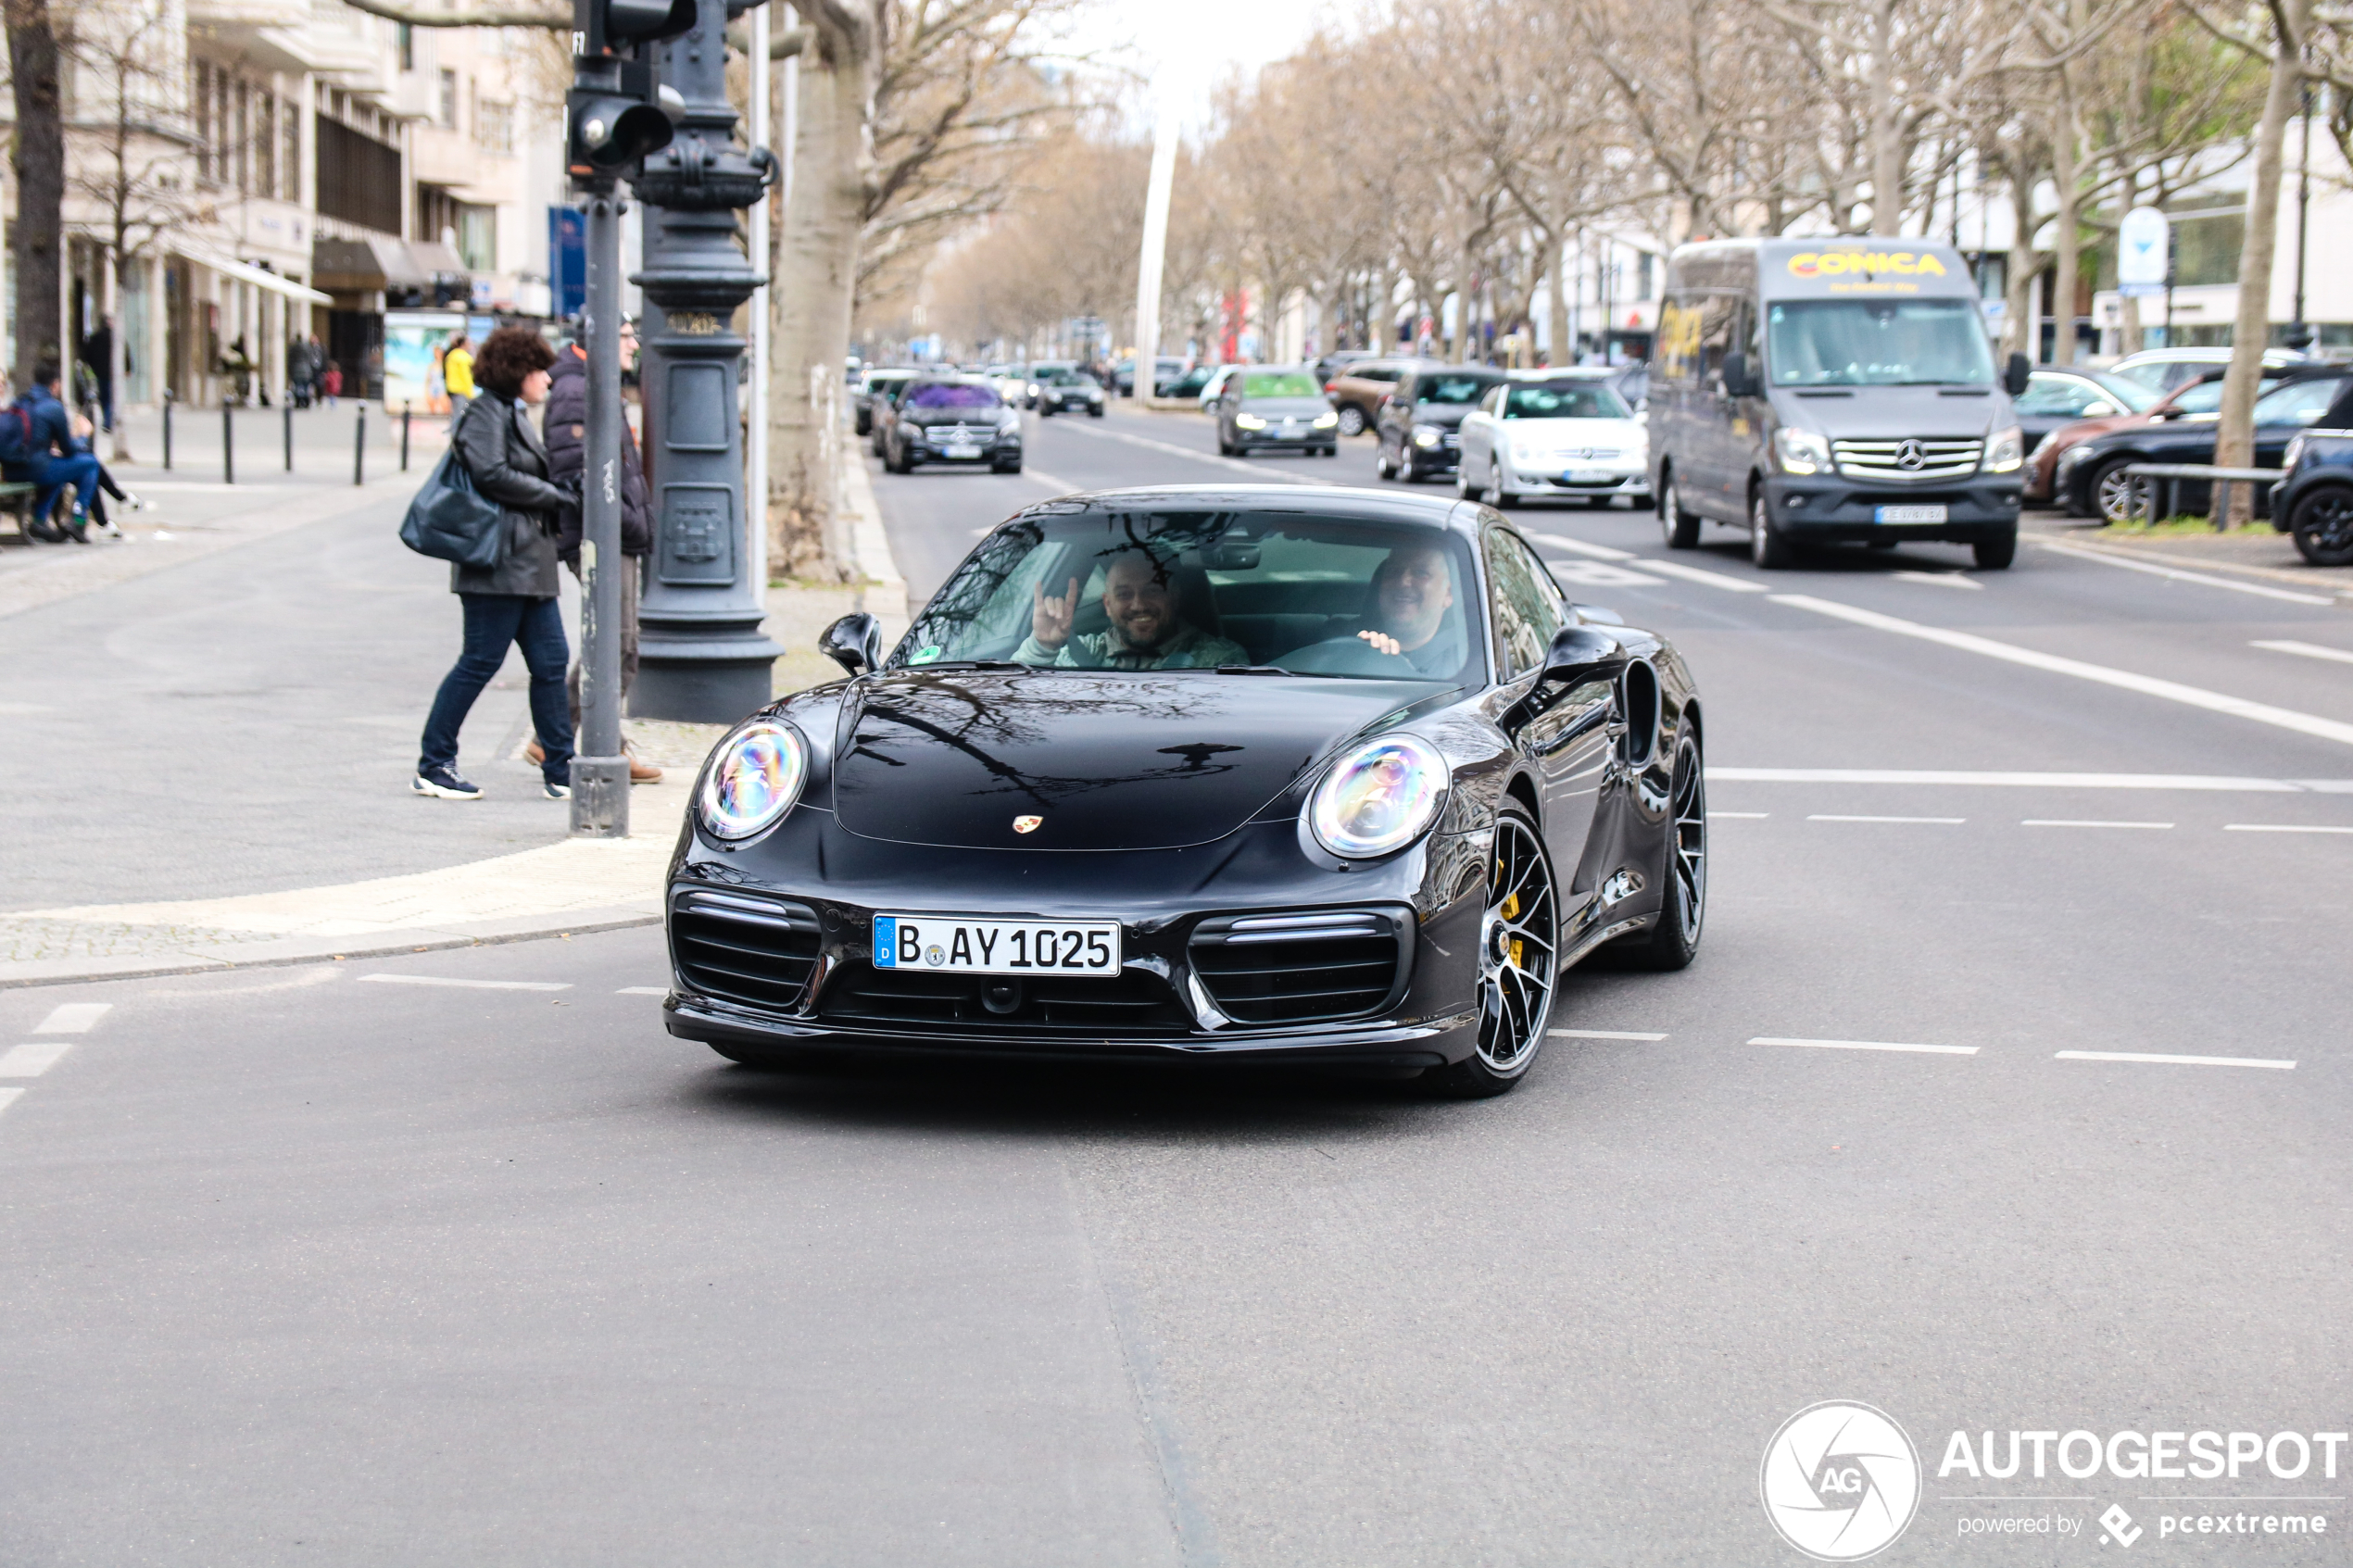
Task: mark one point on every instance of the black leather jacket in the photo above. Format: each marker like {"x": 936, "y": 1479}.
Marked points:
{"x": 502, "y": 454}
{"x": 566, "y": 418}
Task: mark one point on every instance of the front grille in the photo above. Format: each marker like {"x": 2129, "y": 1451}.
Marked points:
{"x": 1309, "y": 967}
{"x": 1907, "y": 460}
{"x": 1134, "y": 1003}
{"x": 744, "y": 947}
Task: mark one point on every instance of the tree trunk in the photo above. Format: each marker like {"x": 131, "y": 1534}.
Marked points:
{"x": 1887, "y": 154}
{"x": 118, "y": 358}
{"x": 816, "y": 277}
{"x": 2235, "y": 440}
{"x": 2065, "y": 147}
{"x": 2017, "y": 326}
{"x": 1558, "y": 306}
{"x": 41, "y": 186}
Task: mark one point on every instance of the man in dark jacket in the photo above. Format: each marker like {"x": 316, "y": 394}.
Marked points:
{"x": 566, "y": 430}
{"x": 41, "y": 452}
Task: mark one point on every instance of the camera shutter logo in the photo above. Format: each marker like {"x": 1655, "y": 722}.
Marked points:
{"x": 1840, "y": 1481}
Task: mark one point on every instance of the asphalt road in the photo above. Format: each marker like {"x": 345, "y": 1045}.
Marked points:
{"x": 309, "y": 1267}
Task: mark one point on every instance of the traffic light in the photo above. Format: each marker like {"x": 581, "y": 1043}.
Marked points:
{"x": 607, "y": 25}
{"x": 614, "y": 114}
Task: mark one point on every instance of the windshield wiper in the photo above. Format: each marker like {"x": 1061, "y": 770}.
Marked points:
{"x": 1253, "y": 670}
{"x": 972, "y": 664}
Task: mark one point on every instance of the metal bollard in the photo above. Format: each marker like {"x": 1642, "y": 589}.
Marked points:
{"x": 228, "y": 446}
{"x": 359, "y": 447}
{"x": 167, "y": 432}
{"x": 404, "y": 438}
{"x": 289, "y": 436}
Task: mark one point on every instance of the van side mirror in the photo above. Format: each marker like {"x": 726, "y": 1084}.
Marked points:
{"x": 2015, "y": 378}
{"x": 854, "y": 642}
{"x": 1739, "y": 376}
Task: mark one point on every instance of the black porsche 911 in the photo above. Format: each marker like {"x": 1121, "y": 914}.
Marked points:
{"x": 1253, "y": 773}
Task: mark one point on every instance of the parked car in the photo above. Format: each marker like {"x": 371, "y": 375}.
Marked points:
{"x": 1038, "y": 371}
{"x": 2052, "y": 461}
{"x": 952, "y": 420}
{"x": 2063, "y": 396}
{"x": 1553, "y": 434}
{"x": 1470, "y": 785}
{"x": 2309, "y": 396}
{"x": 1190, "y": 382}
{"x": 2314, "y": 502}
{"x": 1214, "y": 385}
{"x": 1063, "y": 391}
{"x": 1357, "y": 390}
{"x": 2162, "y": 370}
{"x": 1417, "y": 430}
{"x": 875, "y": 383}
{"x": 1165, "y": 368}
{"x": 1274, "y": 408}
{"x": 1332, "y": 364}
{"x": 884, "y": 408}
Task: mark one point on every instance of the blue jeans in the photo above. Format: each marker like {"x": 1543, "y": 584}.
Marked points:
{"x": 53, "y": 475}
{"x": 493, "y": 621}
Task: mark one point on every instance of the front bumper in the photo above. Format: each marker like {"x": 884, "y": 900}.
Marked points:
{"x": 1443, "y": 458}
{"x": 1277, "y": 437}
{"x": 1169, "y": 905}
{"x": 1003, "y": 450}
{"x": 1554, "y": 481}
{"x": 1828, "y": 508}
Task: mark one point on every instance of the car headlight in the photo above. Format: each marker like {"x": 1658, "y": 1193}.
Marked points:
{"x": 754, "y": 778}
{"x": 2295, "y": 453}
{"x": 1428, "y": 435}
{"x": 1248, "y": 422}
{"x": 1378, "y": 797}
{"x": 1325, "y": 422}
{"x": 2006, "y": 451}
{"x": 1033, "y": 389}
{"x": 1800, "y": 451}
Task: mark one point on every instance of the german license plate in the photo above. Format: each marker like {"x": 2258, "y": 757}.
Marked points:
{"x": 961, "y": 449}
{"x": 957, "y": 945}
{"x": 1589, "y": 476}
{"x": 1907, "y": 514}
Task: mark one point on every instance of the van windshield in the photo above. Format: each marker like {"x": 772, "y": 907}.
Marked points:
{"x": 1877, "y": 342}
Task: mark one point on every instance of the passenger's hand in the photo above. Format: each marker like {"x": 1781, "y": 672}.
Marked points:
{"x": 1050, "y": 615}
{"x": 1382, "y": 642}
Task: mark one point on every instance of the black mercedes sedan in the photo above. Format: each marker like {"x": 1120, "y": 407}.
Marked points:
{"x": 1418, "y": 425}
{"x": 2093, "y": 470}
{"x": 1255, "y": 772}
{"x": 952, "y": 420}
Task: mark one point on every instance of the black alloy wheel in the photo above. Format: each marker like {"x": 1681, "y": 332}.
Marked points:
{"x": 1517, "y": 960}
{"x": 2116, "y": 498}
{"x": 1679, "y": 528}
{"x": 1768, "y": 545}
{"x": 1351, "y": 419}
{"x": 1995, "y": 555}
{"x": 1682, "y": 907}
{"x": 2322, "y": 526}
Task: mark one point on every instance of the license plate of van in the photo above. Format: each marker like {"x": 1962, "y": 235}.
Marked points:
{"x": 1907, "y": 514}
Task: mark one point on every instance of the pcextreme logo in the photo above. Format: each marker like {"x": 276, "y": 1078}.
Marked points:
{"x": 1840, "y": 1481}
{"x": 1841, "y": 263}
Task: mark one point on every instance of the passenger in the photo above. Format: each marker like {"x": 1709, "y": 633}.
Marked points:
{"x": 1145, "y": 633}
{"x": 1412, "y": 593}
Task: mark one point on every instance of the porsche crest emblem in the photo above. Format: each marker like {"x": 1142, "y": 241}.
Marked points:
{"x": 1028, "y": 825}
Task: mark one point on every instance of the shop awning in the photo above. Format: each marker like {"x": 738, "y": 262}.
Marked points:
{"x": 373, "y": 263}
{"x": 260, "y": 276}
{"x": 436, "y": 258}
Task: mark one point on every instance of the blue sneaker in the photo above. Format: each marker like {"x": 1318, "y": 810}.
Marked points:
{"x": 444, "y": 784}
{"x": 556, "y": 791}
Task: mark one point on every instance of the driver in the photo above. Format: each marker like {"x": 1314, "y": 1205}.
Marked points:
{"x": 1412, "y": 593}
{"x": 1145, "y": 633}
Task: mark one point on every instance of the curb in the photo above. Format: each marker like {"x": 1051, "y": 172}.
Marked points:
{"x": 2311, "y": 581}
{"x": 884, "y": 595}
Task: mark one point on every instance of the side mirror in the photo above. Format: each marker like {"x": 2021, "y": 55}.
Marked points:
{"x": 2015, "y": 378}
{"x": 1578, "y": 654}
{"x": 854, "y": 642}
{"x": 1739, "y": 376}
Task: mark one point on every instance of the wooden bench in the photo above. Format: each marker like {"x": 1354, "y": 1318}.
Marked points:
{"x": 15, "y": 500}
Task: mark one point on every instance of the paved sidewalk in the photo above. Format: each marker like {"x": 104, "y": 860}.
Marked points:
{"x": 2259, "y": 553}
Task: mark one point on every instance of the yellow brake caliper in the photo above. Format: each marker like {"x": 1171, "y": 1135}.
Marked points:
{"x": 1511, "y": 911}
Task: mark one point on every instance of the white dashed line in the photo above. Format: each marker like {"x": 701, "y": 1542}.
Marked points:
{"x": 1941, "y": 579}
{"x": 2127, "y": 680}
{"x": 2198, "y": 577}
{"x": 1603, "y": 1035}
{"x": 2029, "y": 781}
{"x": 2308, "y": 650}
{"x": 9, "y": 1097}
{"x": 1827, "y": 817}
{"x": 32, "y": 1058}
{"x": 1259, "y": 470}
{"x": 1602, "y": 575}
{"x": 643, "y": 991}
{"x": 1740, "y": 816}
{"x": 1578, "y": 546}
{"x": 1866, "y": 1045}
{"x": 1701, "y": 574}
{"x": 2175, "y": 1060}
{"x": 2278, "y": 827}
{"x": 2063, "y": 822}
{"x": 74, "y": 1018}
{"x": 470, "y": 985}
{"x": 1054, "y": 483}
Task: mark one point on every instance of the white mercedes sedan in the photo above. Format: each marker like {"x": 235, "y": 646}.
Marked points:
{"x": 1553, "y": 434}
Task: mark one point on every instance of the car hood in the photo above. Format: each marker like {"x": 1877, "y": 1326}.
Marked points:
{"x": 1604, "y": 435}
{"x": 2076, "y": 432}
{"x": 1286, "y": 407}
{"x": 1890, "y": 413}
{"x": 1106, "y": 760}
{"x": 951, "y": 416}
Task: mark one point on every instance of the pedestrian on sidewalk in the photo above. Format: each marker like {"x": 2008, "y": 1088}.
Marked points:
{"x": 331, "y": 382}
{"x": 84, "y": 434}
{"x": 36, "y": 448}
{"x": 513, "y": 602}
{"x": 457, "y": 379}
{"x": 567, "y": 426}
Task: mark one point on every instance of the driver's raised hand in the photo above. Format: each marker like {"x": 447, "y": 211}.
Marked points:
{"x": 1382, "y": 642}
{"x": 1051, "y": 614}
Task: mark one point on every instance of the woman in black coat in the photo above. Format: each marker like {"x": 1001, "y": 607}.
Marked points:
{"x": 515, "y": 600}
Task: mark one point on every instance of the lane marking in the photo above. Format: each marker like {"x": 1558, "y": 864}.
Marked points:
{"x": 32, "y": 1058}
{"x": 470, "y": 985}
{"x": 1700, "y": 574}
{"x": 1054, "y": 483}
{"x": 1941, "y": 579}
{"x": 2063, "y": 822}
{"x": 1578, "y": 546}
{"x": 1175, "y": 450}
{"x": 1603, "y": 1035}
{"x": 1866, "y": 1045}
{"x": 2029, "y": 781}
{"x": 2175, "y": 1060}
{"x": 2278, "y": 827}
{"x": 643, "y": 991}
{"x": 1601, "y": 574}
{"x": 2308, "y": 650}
{"x": 2127, "y": 680}
{"x": 2198, "y": 577}
{"x": 9, "y": 1097}
{"x": 73, "y": 1018}
{"x": 1829, "y": 817}
{"x": 1741, "y": 816}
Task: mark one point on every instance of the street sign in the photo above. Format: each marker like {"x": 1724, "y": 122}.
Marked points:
{"x": 2142, "y": 250}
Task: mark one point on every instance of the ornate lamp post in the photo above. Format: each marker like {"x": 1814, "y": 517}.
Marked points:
{"x": 701, "y": 655}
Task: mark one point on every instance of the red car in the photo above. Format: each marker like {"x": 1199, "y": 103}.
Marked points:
{"x": 2198, "y": 399}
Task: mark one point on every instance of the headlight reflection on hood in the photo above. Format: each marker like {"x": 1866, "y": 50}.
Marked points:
{"x": 1378, "y": 797}
{"x": 754, "y": 779}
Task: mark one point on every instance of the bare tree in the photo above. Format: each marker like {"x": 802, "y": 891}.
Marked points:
{"x": 39, "y": 164}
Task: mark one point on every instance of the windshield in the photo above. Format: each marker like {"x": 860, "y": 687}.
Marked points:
{"x": 1176, "y": 590}
{"x": 952, "y": 395}
{"x": 1280, "y": 384}
{"x": 2299, "y": 402}
{"x": 1877, "y": 342}
{"x": 1061, "y": 375}
{"x": 1453, "y": 389}
{"x": 1564, "y": 400}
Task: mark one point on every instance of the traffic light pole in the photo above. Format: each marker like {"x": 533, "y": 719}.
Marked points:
{"x": 599, "y": 769}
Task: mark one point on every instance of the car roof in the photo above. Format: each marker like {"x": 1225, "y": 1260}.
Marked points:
{"x": 1370, "y": 505}
{"x": 1567, "y": 372}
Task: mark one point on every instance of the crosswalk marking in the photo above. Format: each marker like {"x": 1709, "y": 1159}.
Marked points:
{"x": 73, "y": 1018}
{"x": 32, "y": 1058}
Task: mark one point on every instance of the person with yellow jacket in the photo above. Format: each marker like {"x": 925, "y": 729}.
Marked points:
{"x": 458, "y": 377}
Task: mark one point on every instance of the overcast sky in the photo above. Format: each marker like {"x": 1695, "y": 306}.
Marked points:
{"x": 1187, "y": 46}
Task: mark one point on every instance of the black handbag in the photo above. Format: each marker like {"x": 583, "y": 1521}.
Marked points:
{"x": 451, "y": 521}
